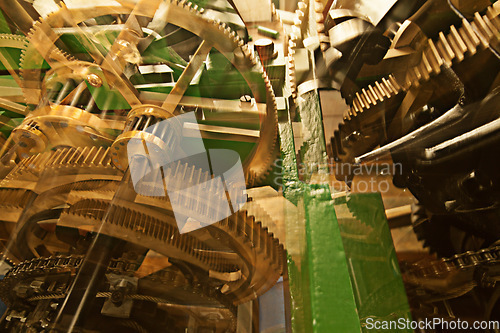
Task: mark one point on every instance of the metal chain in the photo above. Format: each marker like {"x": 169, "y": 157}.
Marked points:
{"x": 463, "y": 261}
{"x": 71, "y": 263}
{"x": 64, "y": 263}
{"x": 102, "y": 294}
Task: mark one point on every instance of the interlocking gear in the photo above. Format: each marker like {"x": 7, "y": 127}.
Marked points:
{"x": 66, "y": 191}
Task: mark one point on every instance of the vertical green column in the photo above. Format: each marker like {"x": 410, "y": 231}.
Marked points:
{"x": 298, "y": 276}
{"x": 373, "y": 266}
{"x": 332, "y": 300}
{"x": 341, "y": 261}
{"x": 313, "y": 151}
{"x": 320, "y": 287}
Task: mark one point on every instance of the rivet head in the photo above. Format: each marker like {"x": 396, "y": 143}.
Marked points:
{"x": 94, "y": 80}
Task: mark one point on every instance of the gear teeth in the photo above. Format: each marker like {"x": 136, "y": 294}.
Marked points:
{"x": 478, "y": 25}
{"x": 42, "y": 35}
{"x": 449, "y": 49}
{"x": 455, "y": 46}
{"x": 16, "y": 198}
{"x": 255, "y": 177}
{"x": 300, "y": 19}
{"x": 493, "y": 17}
{"x": 457, "y": 43}
{"x": 295, "y": 37}
{"x": 291, "y": 71}
{"x": 296, "y": 29}
{"x": 373, "y": 94}
{"x": 434, "y": 59}
{"x": 42, "y": 30}
{"x": 145, "y": 225}
{"x": 469, "y": 35}
{"x": 88, "y": 157}
{"x": 14, "y": 41}
{"x": 259, "y": 176}
{"x": 320, "y": 19}
{"x": 246, "y": 51}
{"x": 28, "y": 168}
{"x": 127, "y": 222}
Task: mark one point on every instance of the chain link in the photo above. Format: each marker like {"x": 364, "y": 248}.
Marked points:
{"x": 464, "y": 261}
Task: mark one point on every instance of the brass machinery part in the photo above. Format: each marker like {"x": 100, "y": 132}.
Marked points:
{"x": 170, "y": 285}
{"x": 42, "y": 47}
{"x": 452, "y": 48}
{"x": 299, "y": 32}
{"x": 60, "y": 125}
{"x": 14, "y": 42}
{"x": 256, "y": 262}
{"x": 242, "y": 258}
{"x": 160, "y": 138}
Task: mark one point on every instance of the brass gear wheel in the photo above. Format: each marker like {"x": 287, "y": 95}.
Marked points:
{"x": 44, "y": 39}
{"x": 63, "y": 187}
{"x": 237, "y": 251}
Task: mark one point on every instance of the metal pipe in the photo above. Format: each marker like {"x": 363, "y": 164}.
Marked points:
{"x": 416, "y": 136}
{"x": 478, "y": 134}
{"x": 19, "y": 15}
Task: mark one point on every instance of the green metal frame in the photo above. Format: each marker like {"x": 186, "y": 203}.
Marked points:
{"x": 342, "y": 265}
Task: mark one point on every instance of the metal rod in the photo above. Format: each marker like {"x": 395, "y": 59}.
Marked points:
{"x": 19, "y": 15}
{"x": 63, "y": 92}
{"x": 465, "y": 139}
{"x": 417, "y": 135}
{"x": 79, "y": 300}
{"x": 90, "y": 105}
{"x": 79, "y": 90}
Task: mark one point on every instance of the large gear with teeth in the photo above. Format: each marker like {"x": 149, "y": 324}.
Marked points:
{"x": 375, "y": 106}
{"x": 64, "y": 174}
{"x": 45, "y": 36}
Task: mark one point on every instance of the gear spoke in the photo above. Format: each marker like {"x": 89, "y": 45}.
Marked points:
{"x": 190, "y": 71}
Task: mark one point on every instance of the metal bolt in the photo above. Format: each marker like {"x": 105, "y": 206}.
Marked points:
{"x": 94, "y": 80}
{"x": 117, "y": 297}
{"x": 265, "y": 49}
{"x": 245, "y": 100}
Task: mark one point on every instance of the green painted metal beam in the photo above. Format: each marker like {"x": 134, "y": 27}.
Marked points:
{"x": 372, "y": 262}
{"x": 332, "y": 298}
{"x": 341, "y": 271}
